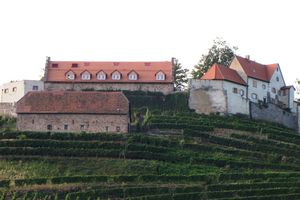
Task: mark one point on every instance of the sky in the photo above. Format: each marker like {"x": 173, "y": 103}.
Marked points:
{"x": 142, "y": 30}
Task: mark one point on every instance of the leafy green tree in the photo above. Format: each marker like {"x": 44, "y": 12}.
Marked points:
{"x": 180, "y": 76}
{"x": 219, "y": 53}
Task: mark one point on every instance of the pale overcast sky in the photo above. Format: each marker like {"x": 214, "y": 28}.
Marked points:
{"x": 142, "y": 30}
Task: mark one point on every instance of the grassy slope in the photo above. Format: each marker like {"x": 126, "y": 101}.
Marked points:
{"x": 232, "y": 159}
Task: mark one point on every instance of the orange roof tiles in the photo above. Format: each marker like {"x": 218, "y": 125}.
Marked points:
{"x": 73, "y": 102}
{"x": 220, "y": 72}
{"x": 257, "y": 70}
{"x": 146, "y": 71}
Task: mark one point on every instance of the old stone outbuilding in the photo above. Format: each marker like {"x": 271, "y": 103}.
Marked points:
{"x": 73, "y": 111}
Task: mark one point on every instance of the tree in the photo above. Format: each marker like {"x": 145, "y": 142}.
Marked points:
{"x": 219, "y": 53}
{"x": 180, "y": 76}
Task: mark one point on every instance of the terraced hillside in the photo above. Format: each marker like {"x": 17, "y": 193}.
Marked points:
{"x": 184, "y": 156}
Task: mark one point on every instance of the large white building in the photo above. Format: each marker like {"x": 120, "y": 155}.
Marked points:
{"x": 13, "y": 91}
{"x": 245, "y": 87}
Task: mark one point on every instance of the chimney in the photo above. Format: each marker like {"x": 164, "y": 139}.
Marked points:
{"x": 247, "y": 57}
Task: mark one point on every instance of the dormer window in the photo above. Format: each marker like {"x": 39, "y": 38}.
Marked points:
{"x": 116, "y": 75}
{"x": 132, "y": 76}
{"x": 70, "y": 75}
{"x": 86, "y": 75}
{"x": 160, "y": 76}
{"x": 101, "y": 75}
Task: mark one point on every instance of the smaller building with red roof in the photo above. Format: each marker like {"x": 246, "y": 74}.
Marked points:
{"x": 231, "y": 89}
{"x": 73, "y": 111}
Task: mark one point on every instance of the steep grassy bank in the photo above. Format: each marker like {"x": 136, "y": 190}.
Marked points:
{"x": 182, "y": 156}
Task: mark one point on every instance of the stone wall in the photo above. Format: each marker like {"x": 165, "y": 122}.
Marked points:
{"x": 8, "y": 109}
{"x": 217, "y": 96}
{"x": 165, "y": 88}
{"x": 273, "y": 113}
{"x": 73, "y": 122}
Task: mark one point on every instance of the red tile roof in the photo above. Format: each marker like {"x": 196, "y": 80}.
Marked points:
{"x": 220, "y": 72}
{"x": 257, "y": 70}
{"x": 83, "y": 102}
{"x": 146, "y": 71}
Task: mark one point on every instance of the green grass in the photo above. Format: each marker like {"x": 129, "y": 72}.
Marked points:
{"x": 50, "y": 167}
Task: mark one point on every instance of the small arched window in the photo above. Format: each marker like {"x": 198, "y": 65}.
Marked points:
{"x": 116, "y": 75}
{"x": 254, "y": 96}
{"x": 242, "y": 92}
{"x": 101, "y": 75}
{"x": 70, "y": 75}
{"x": 86, "y": 75}
{"x": 160, "y": 76}
{"x": 132, "y": 76}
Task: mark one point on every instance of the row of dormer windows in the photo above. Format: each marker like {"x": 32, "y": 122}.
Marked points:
{"x": 70, "y": 75}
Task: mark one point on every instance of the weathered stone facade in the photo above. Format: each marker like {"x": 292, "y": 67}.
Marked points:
{"x": 8, "y": 109}
{"x": 165, "y": 88}
{"x": 73, "y": 111}
{"x": 211, "y": 96}
{"x": 73, "y": 122}
{"x": 273, "y": 113}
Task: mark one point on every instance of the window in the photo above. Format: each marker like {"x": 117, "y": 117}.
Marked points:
{"x": 35, "y": 87}
{"x": 284, "y": 93}
{"x": 264, "y": 86}
{"x": 49, "y": 127}
{"x": 116, "y": 75}
{"x": 235, "y": 90}
{"x": 106, "y": 128}
{"x": 101, "y": 76}
{"x": 74, "y": 65}
{"x": 86, "y": 75}
{"x": 6, "y": 90}
{"x": 81, "y": 127}
{"x": 242, "y": 92}
{"x": 254, "y": 83}
{"x": 118, "y": 129}
{"x": 66, "y": 127}
{"x": 132, "y": 76}
{"x": 160, "y": 76}
{"x": 274, "y": 90}
{"x": 32, "y": 121}
{"x": 14, "y": 89}
{"x": 70, "y": 75}
{"x": 277, "y": 79}
{"x": 54, "y": 65}
{"x": 254, "y": 96}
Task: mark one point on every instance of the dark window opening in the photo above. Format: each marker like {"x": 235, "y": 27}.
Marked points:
{"x": 66, "y": 127}
{"x": 35, "y": 87}
{"x": 49, "y": 127}
{"x": 74, "y": 65}
{"x": 235, "y": 90}
{"x": 55, "y": 65}
{"x": 118, "y": 128}
{"x": 106, "y": 128}
{"x": 81, "y": 127}
{"x": 32, "y": 121}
